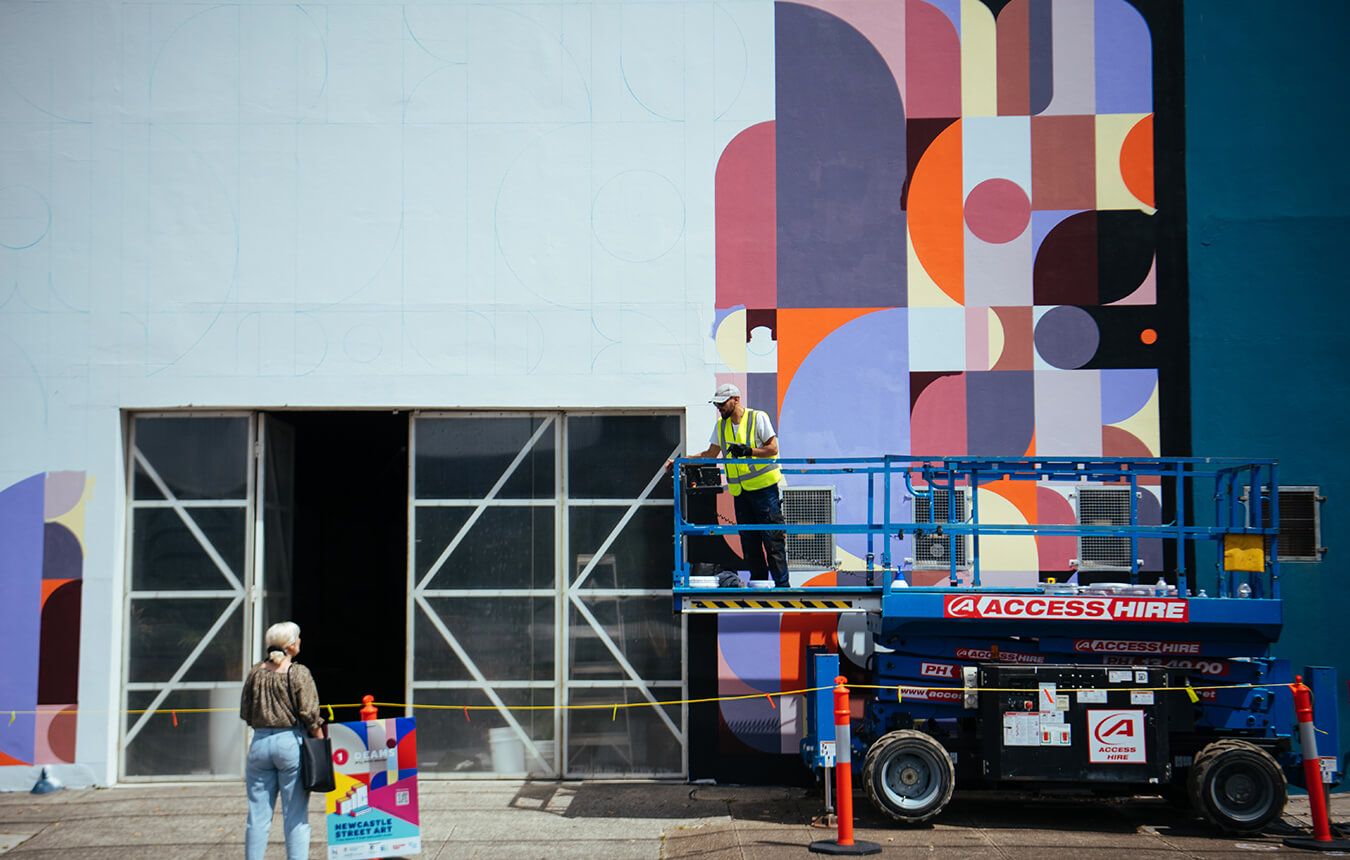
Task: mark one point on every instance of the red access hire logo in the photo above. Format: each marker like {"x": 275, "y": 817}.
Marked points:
{"x": 1003, "y": 656}
{"x": 997, "y": 606}
{"x": 339, "y": 756}
{"x": 1119, "y": 728}
{"x": 1135, "y": 646}
{"x": 1116, "y": 737}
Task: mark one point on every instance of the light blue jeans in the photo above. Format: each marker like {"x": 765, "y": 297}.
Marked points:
{"x": 274, "y": 766}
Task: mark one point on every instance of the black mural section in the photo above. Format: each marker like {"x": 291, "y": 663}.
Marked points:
{"x": 1126, "y": 244}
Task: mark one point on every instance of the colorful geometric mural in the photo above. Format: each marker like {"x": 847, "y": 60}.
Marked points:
{"x": 947, "y": 242}
{"x": 41, "y": 573}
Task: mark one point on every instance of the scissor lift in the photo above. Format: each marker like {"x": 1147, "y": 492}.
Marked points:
{"x": 1151, "y": 673}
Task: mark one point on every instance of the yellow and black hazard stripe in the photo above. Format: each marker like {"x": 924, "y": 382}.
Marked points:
{"x": 710, "y": 604}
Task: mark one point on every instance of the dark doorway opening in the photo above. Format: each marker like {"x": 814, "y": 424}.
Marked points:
{"x": 350, "y": 575}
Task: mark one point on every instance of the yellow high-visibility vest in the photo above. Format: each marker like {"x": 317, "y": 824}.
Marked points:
{"x": 755, "y": 476}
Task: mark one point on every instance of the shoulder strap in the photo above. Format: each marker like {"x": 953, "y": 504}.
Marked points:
{"x": 295, "y": 704}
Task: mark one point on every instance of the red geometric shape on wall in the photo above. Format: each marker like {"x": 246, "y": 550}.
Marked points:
{"x": 1055, "y": 550}
{"x": 1018, "y": 340}
{"x": 50, "y": 585}
{"x": 937, "y": 423}
{"x": 59, "y": 726}
{"x": 798, "y": 630}
{"x": 1022, "y": 495}
{"x": 1063, "y": 162}
{"x": 1136, "y": 160}
{"x": 1013, "y": 44}
{"x": 932, "y": 63}
{"x": 828, "y": 579}
{"x": 726, "y": 512}
{"x": 997, "y": 210}
{"x": 937, "y": 213}
{"x": 1122, "y": 443}
{"x": 746, "y": 221}
{"x": 919, "y": 135}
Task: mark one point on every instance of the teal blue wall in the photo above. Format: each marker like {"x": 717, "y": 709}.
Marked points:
{"x": 1268, "y": 196}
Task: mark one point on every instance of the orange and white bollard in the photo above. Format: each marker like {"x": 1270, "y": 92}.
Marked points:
{"x": 368, "y": 710}
{"x": 843, "y": 779}
{"x": 1312, "y": 775}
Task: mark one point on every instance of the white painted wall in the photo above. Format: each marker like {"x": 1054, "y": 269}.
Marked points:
{"x": 492, "y": 204}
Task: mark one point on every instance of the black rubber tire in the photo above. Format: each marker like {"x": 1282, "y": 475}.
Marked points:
{"x": 909, "y": 776}
{"x": 1237, "y": 786}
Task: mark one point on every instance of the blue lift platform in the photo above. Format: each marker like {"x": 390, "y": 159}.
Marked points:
{"x": 1144, "y": 666}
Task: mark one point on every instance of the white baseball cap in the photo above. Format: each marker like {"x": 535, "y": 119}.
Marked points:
{"x": 725, "y": 392}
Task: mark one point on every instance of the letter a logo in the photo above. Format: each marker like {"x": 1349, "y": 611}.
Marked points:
{"x": 1112, "y": 731}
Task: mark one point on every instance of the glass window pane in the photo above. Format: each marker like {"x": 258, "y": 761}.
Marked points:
{"x": 449, "y": 744}
{"x": 507, "y": 638}
{"x": 615, "y": 456}
{"x": 166, "y": 556}
{"x": 643, "y": 628}
{"x": 201, "y": 744}
{"x": 463, "y": 458}
{"x": 602, "y": 742}
{"x": 161, "y": 633}
{"x": 198, "y": 458}
{"x": 642, "y": 556}
{"x": 508, "y": 547}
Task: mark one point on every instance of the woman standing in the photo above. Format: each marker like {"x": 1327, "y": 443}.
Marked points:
{"x": 279, "y": 701}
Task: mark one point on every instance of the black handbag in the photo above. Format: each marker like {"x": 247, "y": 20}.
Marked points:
{"x": 316, "y": 764}
{"x": 316, "y": 754}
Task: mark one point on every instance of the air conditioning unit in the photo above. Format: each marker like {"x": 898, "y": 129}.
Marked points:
{"x": 934, "y": 552}
{"x": 1103, "y": 506}
{"x": 809, "y": 506}
{"x": 1300, "y": 537}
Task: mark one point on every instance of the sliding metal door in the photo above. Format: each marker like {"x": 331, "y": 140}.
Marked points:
{"x": 198, "y": 534}
{"x": 524, "y": 525}
{"x": 190, "y": 529}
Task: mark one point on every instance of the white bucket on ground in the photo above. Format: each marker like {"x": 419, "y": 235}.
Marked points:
{"x": 508, "y": 753}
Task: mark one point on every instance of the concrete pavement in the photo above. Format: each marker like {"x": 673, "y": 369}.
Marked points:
{"x": 647, "y": 820}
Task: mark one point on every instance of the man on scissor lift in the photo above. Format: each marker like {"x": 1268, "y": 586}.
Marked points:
{"x": 747, "y": 434}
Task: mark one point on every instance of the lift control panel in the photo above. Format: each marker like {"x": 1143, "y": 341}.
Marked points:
{"x": 1078, "y": 723}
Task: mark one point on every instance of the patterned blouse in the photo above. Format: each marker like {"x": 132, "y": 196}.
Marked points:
{"x": 270, "y": 698}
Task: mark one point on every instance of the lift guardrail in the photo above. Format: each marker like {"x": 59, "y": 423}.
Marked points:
{"x": 1238, "y": 535}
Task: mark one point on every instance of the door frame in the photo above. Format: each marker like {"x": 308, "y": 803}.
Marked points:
{"x": 240, "y": 585}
